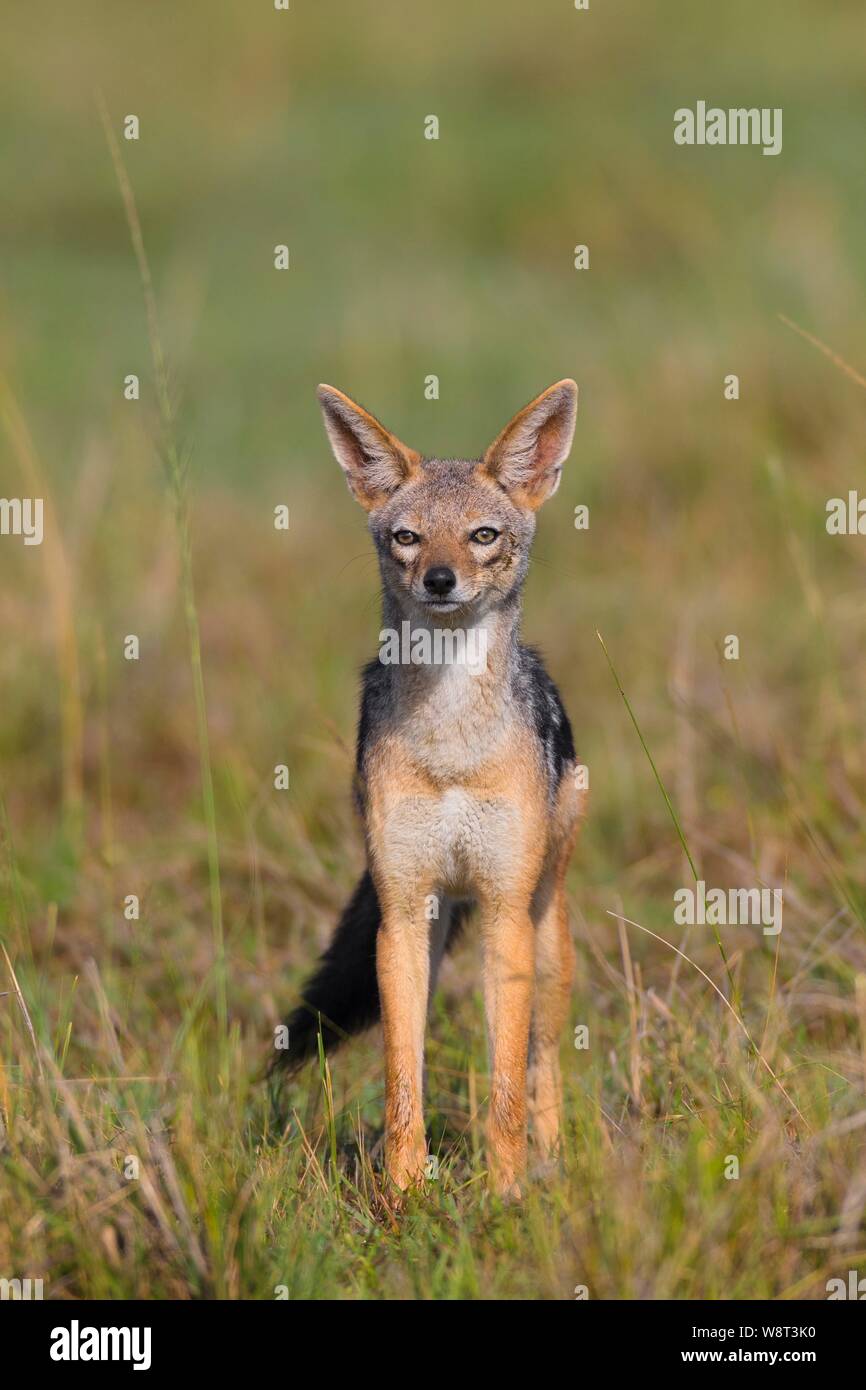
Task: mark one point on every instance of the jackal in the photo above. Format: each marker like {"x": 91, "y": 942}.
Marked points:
{"x": 465, "y": 782}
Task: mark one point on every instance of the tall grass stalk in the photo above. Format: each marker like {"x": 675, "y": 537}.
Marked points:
{"x": 176, "y": 462}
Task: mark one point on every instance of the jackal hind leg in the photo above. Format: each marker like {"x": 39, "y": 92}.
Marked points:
{"x": 554, "y": 972}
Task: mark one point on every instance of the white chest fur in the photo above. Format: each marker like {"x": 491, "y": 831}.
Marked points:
{"x": 459, "y": 840}
{"x": 453, "y": 719}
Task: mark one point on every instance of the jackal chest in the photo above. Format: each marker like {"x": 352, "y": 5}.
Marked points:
{"x": 457, "y": 728}
{"x": 462, "y": 841}
{"x": 469, "y": 831}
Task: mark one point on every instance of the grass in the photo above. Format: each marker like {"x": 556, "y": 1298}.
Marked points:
{"x": 177, "y": 473}
{"x": 142, "y": 1155}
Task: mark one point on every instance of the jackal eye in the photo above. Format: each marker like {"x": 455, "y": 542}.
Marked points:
{"x": 485, "y": 535}
{"x": 406, "y": 537}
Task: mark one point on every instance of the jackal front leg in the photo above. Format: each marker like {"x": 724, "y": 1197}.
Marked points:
{"x": 402, "y": 967}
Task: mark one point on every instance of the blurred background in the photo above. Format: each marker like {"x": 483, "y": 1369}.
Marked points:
{"x": 411, "y": 257}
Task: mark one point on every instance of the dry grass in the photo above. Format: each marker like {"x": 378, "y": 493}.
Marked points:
{"x": 124, "y": 1055}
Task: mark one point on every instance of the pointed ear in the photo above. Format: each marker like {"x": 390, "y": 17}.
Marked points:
{"x": 374, "y": 461}
{"x": 527, "y": 457}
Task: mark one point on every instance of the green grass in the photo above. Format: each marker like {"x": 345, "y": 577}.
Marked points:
{"x": 706, "y": 518}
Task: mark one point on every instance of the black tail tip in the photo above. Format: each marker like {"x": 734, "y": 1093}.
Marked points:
{"x": 298, "y": 1041}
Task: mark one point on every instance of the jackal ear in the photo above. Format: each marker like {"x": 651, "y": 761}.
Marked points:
{"x": 527, "y": 457}
{"x": 374, "y": 460}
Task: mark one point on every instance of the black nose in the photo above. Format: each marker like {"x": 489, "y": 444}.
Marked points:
{"x": 439, "y": 580}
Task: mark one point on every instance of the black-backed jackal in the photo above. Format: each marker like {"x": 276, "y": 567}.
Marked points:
{"x": 465, "y": 780}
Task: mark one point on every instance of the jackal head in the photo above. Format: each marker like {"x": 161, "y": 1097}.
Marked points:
{"x": 453, "y": 535}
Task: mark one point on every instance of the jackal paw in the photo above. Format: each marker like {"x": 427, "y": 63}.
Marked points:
{"x": 407, "y": 1167}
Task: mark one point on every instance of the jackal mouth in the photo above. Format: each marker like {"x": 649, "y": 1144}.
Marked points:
{"x": 445, "y": 605}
